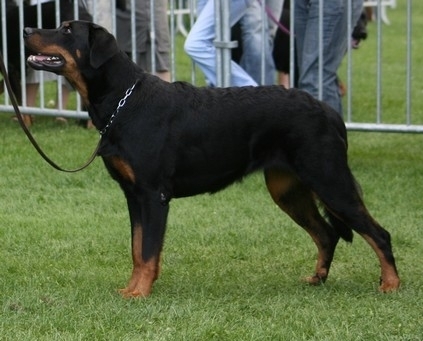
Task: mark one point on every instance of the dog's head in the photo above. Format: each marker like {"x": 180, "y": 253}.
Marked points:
{"x": 75, "y": 50}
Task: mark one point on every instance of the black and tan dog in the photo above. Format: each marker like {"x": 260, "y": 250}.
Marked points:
{"x": 171, "y": 140}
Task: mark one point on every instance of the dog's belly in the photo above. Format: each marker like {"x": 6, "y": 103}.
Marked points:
{"x": 184, "y": 186}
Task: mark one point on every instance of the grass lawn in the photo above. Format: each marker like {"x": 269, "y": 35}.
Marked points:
{"x": 232, "y": 262}
{"x": 393, "y": 70}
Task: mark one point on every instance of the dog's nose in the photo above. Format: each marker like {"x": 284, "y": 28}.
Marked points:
{"x": 27, "y": 31}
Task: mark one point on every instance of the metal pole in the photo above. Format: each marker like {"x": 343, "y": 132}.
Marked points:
{"x": 379, "y": 64}
{"x": 409, "y": 62}
{"x": 172, "y": 40}
{"x": 218, "y": 41}
{"x": 226, "y": 50}
{"x": 264, "y": 29}
{"x": 134, "y": 51}
{"x": 291, "y": 45}
{"x": 223, "y": 43}
{"x": 4, "y": 41}
{"x": 320, "y": 69}
{"x": 153, "y": 37}
{"x": 349, "y": 61}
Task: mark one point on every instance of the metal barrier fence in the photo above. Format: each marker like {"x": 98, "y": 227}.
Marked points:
{"x": 182, "y": 16}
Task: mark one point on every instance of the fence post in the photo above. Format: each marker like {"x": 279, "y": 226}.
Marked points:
{"x": 223, "y": 43}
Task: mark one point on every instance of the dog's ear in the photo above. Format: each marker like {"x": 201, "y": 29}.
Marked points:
{"x": 103, "y": 45}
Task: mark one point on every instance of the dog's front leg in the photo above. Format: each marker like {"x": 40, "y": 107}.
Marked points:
{"x": 148, "y": 223}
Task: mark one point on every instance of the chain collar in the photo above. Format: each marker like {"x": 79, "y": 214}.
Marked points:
{"x": 120, "y": 105}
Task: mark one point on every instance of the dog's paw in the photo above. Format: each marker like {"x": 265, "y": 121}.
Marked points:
{"x": 389, "y": 285}
{"x": 130, "y": 293}
{"x": 315, "y": 280}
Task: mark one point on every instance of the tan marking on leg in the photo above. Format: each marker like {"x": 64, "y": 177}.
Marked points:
{"x": 389, "y": 277}
{"x": 124, "y": 169}
{"x": 280, "y": 183}
{"x": 146, "y": 279}
{"x": 321, "y": 270}
{"x": 136, "y": 261}
{"x": 143, "y": 273}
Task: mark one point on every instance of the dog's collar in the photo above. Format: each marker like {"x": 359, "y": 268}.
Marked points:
{"x": 120, "y": 105}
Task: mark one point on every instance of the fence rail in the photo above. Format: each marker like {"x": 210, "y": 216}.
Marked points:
{"x": 181, "y": 16}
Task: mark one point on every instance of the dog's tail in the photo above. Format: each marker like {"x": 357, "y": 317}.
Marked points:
{"x": 344, "y": 231}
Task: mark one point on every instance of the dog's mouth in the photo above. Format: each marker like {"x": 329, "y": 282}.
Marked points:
{"x": 44, "y": 62}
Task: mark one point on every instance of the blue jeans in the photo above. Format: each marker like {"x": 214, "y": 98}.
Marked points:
{"x": 199, "y": 43}
{"x": 335, "y": 40}
{"x": 251, "y": 60}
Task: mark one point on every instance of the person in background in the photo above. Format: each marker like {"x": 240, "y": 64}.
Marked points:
{"x": 335, "y": 40}
{"x": 143, "y": 35}
{"x": 32, "y": 86}
{"x": 199, "y": 42}
{"x": 281, "y": 48}
{"x": 252, "y": 39}
{"x": 248, "y": 31}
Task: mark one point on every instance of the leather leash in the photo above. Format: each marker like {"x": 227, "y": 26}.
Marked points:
{"x": 28, "y": 133}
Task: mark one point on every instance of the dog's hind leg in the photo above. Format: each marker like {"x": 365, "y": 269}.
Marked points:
{"x": 340, "y": 195}
{"x": 358, "y": 218}
{"x": 293, "y": 197}
{"x": 148, "y": 223}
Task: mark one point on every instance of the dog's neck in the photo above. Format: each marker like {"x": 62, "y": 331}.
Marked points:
{"x": 108, "y": 87}
{"x": 121, "y": 105}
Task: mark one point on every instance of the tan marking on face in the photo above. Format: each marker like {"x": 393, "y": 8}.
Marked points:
{"x": 123, "y": 168}
{"x": 72, "y": 73}
{"x": 70, "y": 69}
{"x": 78, "y": 53}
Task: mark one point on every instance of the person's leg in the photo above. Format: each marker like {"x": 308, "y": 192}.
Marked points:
{"x": 334, "y": 31}
{"x": 252, "y": 44}
{"x": 31, "y": 99}
{"x": 200, "y": 6}
{"x": 165, "y": 75}
{"x": 62, "y": 104}
{"x": 335, "y": 20}
{"x": 275, "y": 6}
{"x": 199, "y": 43}
{"x": 31, "y": 94}
{"x": 335, "y": 48}
{"x": 283, "y": 79}
{"x": 162, "y": 43}
{"x": 281, "y": 50}
{"x": 300, "y": 25}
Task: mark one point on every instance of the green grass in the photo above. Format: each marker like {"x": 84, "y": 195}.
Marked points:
{"x": 393, "y": 70}
{"x": 232, "y": 262}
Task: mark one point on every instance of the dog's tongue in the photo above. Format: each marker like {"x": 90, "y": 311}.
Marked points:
{"x": 37, "y": 58}
{"x": 41, "y": 58}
